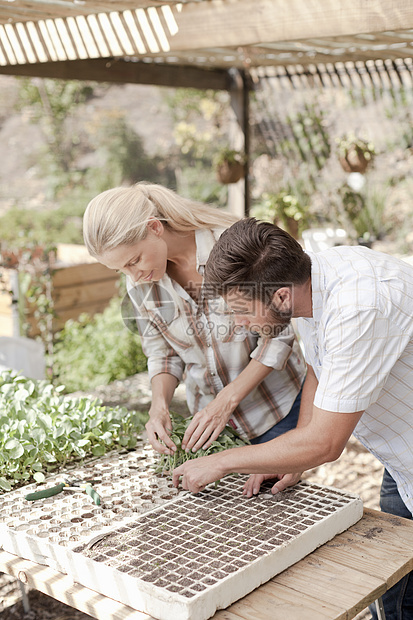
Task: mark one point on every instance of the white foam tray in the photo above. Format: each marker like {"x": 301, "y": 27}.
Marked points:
{"x": 196, "y": 554}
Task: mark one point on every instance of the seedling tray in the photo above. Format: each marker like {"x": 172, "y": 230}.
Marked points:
{"x": 39, "y": 530}
{"x": 184, "y": 556}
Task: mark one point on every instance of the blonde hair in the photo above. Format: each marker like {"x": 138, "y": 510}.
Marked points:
{"x": 120, "y": 216}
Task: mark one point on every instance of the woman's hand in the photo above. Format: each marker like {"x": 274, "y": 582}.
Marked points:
{"x": 159, "y": 428}
{"x": 208, "y": 423}
{"x": 254, "y": 482}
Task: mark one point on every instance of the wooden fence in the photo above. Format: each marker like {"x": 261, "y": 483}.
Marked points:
{"x": 86, "y": 287}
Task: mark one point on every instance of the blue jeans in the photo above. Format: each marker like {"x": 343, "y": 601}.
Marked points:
{"x": 284, "y": 425}
{"x": 398, "y": 601}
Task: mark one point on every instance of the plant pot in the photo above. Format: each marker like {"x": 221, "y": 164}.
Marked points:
{"x": 230, "y": 172}
{"x": 354, "y": 161}
{"x": 292, "y": 227}
{"x": 9, "y": 259}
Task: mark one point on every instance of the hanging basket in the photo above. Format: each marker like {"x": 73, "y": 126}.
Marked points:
{"x": 355, "y": 160}
{"x": 230, "y": 172}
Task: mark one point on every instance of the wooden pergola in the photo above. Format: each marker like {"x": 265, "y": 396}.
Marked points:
{"x": 217, "y": 44}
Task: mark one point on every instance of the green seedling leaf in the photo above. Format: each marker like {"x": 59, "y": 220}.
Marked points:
{"x": 5, "y": 485}
{"x": 21, "y": 394}
{"x": 14, "y": 448}
{"x": 227, "y": 439}
{"x": 98, "y": 450}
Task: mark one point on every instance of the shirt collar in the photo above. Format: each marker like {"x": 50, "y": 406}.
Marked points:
{"x": 205, "y": 240}
{"x": 317, "y": 285}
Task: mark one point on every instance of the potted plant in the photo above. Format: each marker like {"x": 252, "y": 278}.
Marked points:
{"x": 230, "y": 166}
{"x": 283, "y": 209}
{"x": 354, "y": 154}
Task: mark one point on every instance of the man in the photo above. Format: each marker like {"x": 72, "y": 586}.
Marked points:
{"x": 354, "y": 310}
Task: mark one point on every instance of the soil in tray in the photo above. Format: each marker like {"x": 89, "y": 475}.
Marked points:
{"x": 211, "y": 535}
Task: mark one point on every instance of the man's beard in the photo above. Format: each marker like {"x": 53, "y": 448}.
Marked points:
{"x": 277, "y": 322}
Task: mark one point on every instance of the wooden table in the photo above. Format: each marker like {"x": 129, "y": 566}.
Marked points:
{"x": 335, "y": 582}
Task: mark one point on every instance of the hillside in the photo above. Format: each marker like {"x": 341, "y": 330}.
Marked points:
{"x": 21, "y": 140}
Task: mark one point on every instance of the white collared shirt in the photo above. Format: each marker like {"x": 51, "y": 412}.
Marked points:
{"x": 360, "y": 345}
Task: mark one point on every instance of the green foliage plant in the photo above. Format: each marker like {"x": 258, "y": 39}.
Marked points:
{"x": 200, "y": 128}
{"x": 34, "y": 264}
{"x": 226, "y": 440}
{"x": 309, "y": 140}
{"x": 42, "y": 430}
{"x": 229, "y": 155}
{"x": 52, "y": 103}
{"x": 283, "y": 208}
{"x": 96, "y": 350}
{"x": 363, "y": 212}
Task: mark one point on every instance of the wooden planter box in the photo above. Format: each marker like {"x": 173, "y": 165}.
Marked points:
{"x": 83, "y": 287}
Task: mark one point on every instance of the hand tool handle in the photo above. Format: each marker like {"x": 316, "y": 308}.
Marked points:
{"x": 93, "y": 494}
{"x": 45, "y": 492}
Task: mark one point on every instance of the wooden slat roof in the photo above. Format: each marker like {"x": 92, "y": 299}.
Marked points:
{"x": 208, "y": 34}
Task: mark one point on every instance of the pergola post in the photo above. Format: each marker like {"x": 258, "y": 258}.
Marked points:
{"x": 239, "y": 198}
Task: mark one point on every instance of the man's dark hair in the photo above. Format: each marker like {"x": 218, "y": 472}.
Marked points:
{"x": 255, "y": 258}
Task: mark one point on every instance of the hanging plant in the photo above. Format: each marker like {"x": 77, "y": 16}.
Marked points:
{"x": 285, "y": 210}
{"x": 354, "y": 154}
{"x": 230, "y": 166}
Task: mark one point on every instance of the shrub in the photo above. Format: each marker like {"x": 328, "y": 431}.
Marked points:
{"x": 96, "y": 350}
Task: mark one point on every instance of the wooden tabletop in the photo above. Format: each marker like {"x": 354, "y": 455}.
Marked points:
{"x": 335, "y": 582}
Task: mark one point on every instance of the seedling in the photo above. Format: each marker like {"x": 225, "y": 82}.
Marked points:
{"x": 226, "y": 440}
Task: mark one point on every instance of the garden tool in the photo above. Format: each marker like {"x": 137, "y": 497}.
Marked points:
{"x": 67, "y": 485}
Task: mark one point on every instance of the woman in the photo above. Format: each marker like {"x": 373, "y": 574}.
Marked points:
{"x": 162, "y": 241}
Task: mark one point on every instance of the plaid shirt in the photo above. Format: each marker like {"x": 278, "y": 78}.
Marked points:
{"x": 360, "y": 345}
{"x": 202, "y": 344}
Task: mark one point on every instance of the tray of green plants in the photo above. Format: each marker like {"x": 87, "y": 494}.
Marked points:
{"x": 42, "y": 430}
{"x": 226, "y": 440}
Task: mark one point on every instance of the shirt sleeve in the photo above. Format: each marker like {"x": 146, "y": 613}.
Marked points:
{"x": 360, "y": 351}
{"x": 274, "y": 352}
{"x": 162, "y": 358}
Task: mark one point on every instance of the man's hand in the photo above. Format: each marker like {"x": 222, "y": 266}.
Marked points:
{"x": 196, "y": 474}
{"x": 159, "y": 428}
{"x": 254, "y": 482}
{"x": 208, "y": 423}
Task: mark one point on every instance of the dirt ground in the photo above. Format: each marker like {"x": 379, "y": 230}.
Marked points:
{"x": 356, "y": 471}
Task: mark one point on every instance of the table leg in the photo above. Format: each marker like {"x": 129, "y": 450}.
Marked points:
{"x": 25, "y": 598}
{"x": 380, "y": 609}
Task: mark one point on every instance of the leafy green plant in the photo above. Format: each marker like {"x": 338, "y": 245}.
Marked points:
{"x": 350, "y": 140}
{"x": 363, "y": 211}
{"x": 41, "y": 429}
{"x": 52, "y": 103}
{"x": 309, "y": 139}
{"x": 22, "y": 227}
{"x": 231, "y": 156}
{"x": 34, "y": 264}
{"x": 96, "y": 350}
{"x": 283, "y": 208}
{"x": 226, "y": 440}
